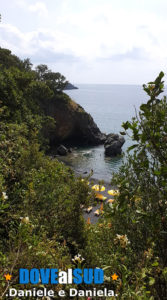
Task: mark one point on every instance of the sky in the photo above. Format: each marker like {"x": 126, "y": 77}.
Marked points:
{"x": 89, "y": 41}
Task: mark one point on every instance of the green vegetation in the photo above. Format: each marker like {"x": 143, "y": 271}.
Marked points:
{"x": 41, "y": 222}
{"x": 134, "y": 228}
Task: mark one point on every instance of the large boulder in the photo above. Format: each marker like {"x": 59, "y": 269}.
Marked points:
{"x": 113, "y": 144}
{"x": 62, "y": 150}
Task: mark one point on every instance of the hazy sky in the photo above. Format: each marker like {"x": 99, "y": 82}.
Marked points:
{"x": 89, "y": 41}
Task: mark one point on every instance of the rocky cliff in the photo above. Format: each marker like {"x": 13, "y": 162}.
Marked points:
{"x": 73, "y": 124}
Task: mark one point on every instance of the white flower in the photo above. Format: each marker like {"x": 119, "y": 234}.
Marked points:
{"x": 119, "y": 236}
{"x": 5, "y": 197}
{"x": 123, "y": 240}
{"x": 25, "y": 220}
{"x": 78, "y": 259}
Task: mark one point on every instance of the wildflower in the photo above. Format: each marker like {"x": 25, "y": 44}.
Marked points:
{"x": 148, "y": 253}
{"x": 5, "y": 197}
{"x": 83, "y": 180}
{"x": 123, "y": 240}
{"x": 25, "y": 220}
{"x": 78, "y": 259}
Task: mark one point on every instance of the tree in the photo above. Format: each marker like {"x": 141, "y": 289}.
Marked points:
{"x": 27, "y": 64}
{"x": 8, "y": 60}
{"x": 41, "y": 70}
{"x": 54, "y": 80}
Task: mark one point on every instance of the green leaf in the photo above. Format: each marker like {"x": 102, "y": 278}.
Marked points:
{"x": 143, "y": 274}
{"x": 126, "y": 125}
{"x": 151, "y": 281}
{"x": 122, "y": 133}
{"x": 106, "y": 267}
{"x": 132, "y": 147}
{"x": 155, "y": 264}
{"x": 164, "y": 272}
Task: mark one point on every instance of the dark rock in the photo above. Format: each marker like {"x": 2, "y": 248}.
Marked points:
{"x": 113, "y": 144}
{"x": 74, "y": 126}
{"x": 62, "y": 150}
{"x": 70, "y": 86}
{"x": 87, "y": 130}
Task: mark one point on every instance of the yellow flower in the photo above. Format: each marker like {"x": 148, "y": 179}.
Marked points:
{"x": 83, "y": 180}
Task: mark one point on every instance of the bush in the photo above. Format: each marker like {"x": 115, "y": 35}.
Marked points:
{"x": 134, "y": 227}
{"x": 41, "y": 222}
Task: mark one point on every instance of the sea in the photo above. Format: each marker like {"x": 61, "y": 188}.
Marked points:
{"x": 110, "y": 105}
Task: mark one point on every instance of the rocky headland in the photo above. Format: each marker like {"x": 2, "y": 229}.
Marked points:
{"x": 70, "y": 86}
{"x": 75, "y": 127}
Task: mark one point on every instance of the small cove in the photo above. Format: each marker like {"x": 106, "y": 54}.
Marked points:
{"x": 109, "y": 105}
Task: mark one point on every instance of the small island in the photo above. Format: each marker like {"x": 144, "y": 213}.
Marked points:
{"x": 70, "y": 86}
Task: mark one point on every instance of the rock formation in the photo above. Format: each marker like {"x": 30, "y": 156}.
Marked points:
{"x": 74, "y": 126}
{"x": 113, "y": 144}
{"x": 62, "y": 150}
{"x": 70, "y": 86}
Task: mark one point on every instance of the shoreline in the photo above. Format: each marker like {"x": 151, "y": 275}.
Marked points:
{"x": 91, "y": 217}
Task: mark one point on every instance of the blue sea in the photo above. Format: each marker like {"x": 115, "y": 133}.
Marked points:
{"x": 109, "y": 105}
